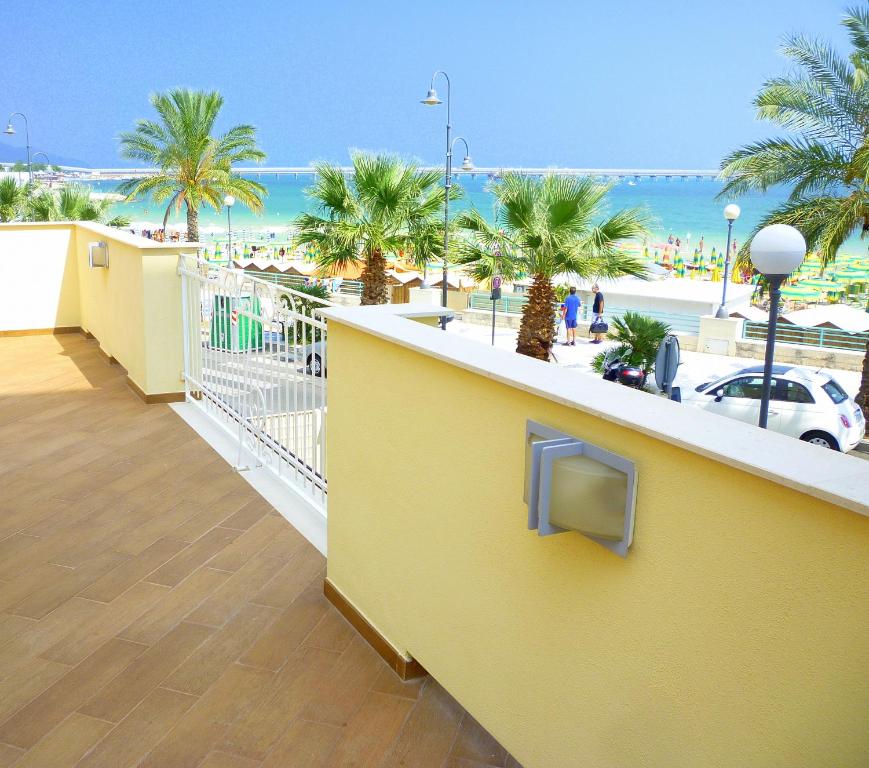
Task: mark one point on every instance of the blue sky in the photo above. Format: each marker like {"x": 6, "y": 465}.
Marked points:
{"x": 637, "y": 83}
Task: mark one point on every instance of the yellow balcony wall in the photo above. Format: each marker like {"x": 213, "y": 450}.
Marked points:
{"x": 133, "y": 308}
{"x": 735, "y": 633}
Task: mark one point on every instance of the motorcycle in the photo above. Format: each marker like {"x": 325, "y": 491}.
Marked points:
{"x": 614, "y": 369}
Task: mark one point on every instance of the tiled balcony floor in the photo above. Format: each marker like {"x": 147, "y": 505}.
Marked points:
{"x": 155, "y": 611}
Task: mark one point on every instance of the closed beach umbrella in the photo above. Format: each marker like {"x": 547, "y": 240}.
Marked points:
{"x": 246, "y": 253}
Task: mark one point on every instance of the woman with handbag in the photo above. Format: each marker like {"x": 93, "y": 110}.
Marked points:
{"x": 598, "y": 326}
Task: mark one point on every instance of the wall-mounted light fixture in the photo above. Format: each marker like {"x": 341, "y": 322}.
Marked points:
{"x": 98, "y": 254}
{"x": 571, "y": 485}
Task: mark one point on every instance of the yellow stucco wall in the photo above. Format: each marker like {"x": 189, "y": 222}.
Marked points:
{"x": 133, "y": 308}
{"x": 38, "y": 277}
{"x": 734, "y": 634}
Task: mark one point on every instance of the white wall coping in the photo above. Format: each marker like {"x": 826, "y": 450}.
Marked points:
{"x": 104, "y": 231}
{"x": 832, "y": 477}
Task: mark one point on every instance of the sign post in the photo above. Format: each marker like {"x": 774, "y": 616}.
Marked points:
{"x": 496, "y": 295}
{"x": 666, "y": 365}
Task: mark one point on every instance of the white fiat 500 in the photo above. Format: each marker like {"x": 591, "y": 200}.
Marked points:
{"x": 810, "y": 405}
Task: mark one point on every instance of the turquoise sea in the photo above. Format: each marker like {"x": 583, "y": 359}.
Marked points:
{"x": 685, "y": 208}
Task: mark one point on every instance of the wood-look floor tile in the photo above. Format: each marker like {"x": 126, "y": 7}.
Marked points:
{"x": 32, "y": 677}
{"x": 236, "y": 590}
{"x": 42, "y": 634}
{"x": 85, "y": 637}
{"x": 226, "y": 760}
{"x": 190, "y": 558}
{"x": 249, "y": 514}
{"x": 254, "y": 734}
{"x": 305, "y": 745}
{"x": 428, "y": 735}
{"x": 9, "y": 755}
{"x": 114, "y": 583}
{"x": 51, "y": 595}
{"x": 180, "y": 601}
{"x": 333, "y": 632}
{"x": 389, "y": 682}
{"x": 371, "y": 732}
{"x": 24, "y": 584}
{"x": 278, "y": 642}
{"x": 248, "y": 544}
{"x": 16, "y": 544}
{"x": 67, "y": 743}
{"x": 292, "y": 579}
{"x": 30, "y": 723}
{"x": 11, "y": 626}
{"x": 341, "y": 692}
{"x": 116, "y": 699}
{"x": 208, "y": 662}
{"x": 140, "y": 731}
{"x": 238, "y": 691}
{"x": 475, "y": 743}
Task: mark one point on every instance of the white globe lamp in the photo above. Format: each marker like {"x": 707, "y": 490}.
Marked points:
{"x": 776, "y": 251}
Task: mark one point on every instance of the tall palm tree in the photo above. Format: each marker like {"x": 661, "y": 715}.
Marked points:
{"x": 544, "y": 227}
{"x": 193, "y": 167}
{"x": 825, "y": 160}
{"x": 13, "y": 197}
{"x": 386, "y": 206}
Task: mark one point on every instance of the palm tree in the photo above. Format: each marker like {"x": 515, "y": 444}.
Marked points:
{"x": 825, "y": 160}
{"x": 193, "y": 167}
{"x": 13, "y": 197}
{"x": 388, "y": 205}
{"x": 544, "y": 227}
{"x": 637, "y": 338}
{"x": 72, "y": 203}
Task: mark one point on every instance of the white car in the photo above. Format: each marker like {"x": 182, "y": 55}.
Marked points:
{"x": 809, "y": 405}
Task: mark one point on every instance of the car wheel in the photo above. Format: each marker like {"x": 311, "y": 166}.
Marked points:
{"x": 821, "y": 439}
{"x": 315, "y": 366}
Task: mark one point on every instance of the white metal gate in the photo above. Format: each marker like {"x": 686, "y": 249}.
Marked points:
{"x": 255, "y": 360}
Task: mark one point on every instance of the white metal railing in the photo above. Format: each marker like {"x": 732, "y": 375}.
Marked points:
{"x": 255, "y": 360}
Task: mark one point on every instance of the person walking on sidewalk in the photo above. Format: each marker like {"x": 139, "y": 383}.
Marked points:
{"x": 570, "y": 315}
{"x": 597, "y": 313}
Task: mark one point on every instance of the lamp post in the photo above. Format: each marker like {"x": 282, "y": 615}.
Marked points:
{"x": 47, "y": 161}
{"x": 229, "y": 201}
{"x": 432, "y": 100}
{"x": 776, "y": 251}
{"x": 731, "y": 213}
{"x": 10, "y": 131}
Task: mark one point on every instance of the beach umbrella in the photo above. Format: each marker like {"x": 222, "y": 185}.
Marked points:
{"x": 827, "y": 286}
{"x": 800, "y": 291}
{"x": 849, "y": 275}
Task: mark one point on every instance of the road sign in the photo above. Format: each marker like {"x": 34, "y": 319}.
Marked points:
{"x": 496, "y": 282}
{"x": 667, "y": 363}
{"x": 233, "y": 318}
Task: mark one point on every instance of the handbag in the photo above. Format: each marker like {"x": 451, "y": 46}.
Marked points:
{"x": 598, "y": 326}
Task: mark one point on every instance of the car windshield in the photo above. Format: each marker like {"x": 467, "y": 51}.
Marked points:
{"x": 836, "y": 393}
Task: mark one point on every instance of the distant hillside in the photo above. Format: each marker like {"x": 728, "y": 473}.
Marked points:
{"x": 9, "y": 153}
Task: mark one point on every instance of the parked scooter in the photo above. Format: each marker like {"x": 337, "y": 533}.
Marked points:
{"x": 622, "y": 372}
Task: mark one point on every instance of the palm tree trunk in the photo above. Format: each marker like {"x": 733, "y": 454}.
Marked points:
{"x": 374, "y": 287}
{"x": 537, "y": 330}
{"x": 192, "y": 223}
{"x": 863, "y": 394}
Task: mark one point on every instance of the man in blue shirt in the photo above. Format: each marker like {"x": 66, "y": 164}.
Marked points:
{"x": 570, "y": 313}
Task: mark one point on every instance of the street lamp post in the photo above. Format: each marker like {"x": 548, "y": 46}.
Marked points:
{"x": 731, "y": 213}
{"x": 229, "y": 201}
{"x": 10, "y": 131}
{"x": 776, "y": 251}
{"x": 431, "y": 100}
